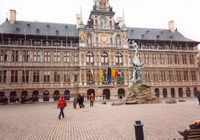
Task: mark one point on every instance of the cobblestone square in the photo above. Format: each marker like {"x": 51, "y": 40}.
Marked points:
{"x": 40, "y": 121}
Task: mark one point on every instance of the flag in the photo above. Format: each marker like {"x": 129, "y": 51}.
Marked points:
{"x": 116, "y": 74}
{"x": 112, "y": 73}
{"x": 109, "y": 75}
{"x": 92, "y": 73}
{"x": 121, "y": 76}
{"x": 101, "y": 76}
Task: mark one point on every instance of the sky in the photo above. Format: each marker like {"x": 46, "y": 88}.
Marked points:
{"x": 138, "y": 13}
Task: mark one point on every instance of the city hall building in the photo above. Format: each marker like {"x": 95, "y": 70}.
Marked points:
{"x": 47, "y": 60}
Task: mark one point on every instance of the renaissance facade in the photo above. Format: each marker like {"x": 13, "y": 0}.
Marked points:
{"x": 46, "y": 60}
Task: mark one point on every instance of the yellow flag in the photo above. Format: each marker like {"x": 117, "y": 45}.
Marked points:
{"x": 112, "y": 73}
{"x": 101, "y": 76}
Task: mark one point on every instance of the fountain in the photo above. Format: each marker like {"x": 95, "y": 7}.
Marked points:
{"x": 139, "y": 93}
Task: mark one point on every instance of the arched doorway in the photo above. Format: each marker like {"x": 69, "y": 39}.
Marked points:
{"x": 89, "y": 92}
{"x": 67, "y": 95}
{"x": 13, "y": 96}
{"x": 172, "y": 92}
{"x": 35, "y": 96}
{"x": 188, "y": 92}
{"x": 46, "y": 95}
{"x": 2, "y": 96}
{"x": 195, "y": 91}
{"x": 56, "y": 95}
{"x": 165, "y": 93}
{"x": 180, "y": 92}
{"x": 157, "y": 92}
{"x": 106, "y": 94}
{"x": 24, "y": 95}
{"x": 121, "y": 93}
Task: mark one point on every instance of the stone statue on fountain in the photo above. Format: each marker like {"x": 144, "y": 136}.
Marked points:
{"x": 139, "y": 93}
{"x": 137, "y": 65}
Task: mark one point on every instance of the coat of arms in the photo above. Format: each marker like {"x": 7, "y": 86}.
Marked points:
{"x": 104, "y": 38}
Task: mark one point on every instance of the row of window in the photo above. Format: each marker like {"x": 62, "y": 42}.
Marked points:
{"x": 155, "y": 58}
{"x": 171, "y": 59}
{"x": 171, "y": 76}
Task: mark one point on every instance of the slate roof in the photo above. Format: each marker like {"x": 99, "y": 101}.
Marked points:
{"x": 156, "y": 34}
{"x": 39, "y": 28}
{"x": 53, "y": 29}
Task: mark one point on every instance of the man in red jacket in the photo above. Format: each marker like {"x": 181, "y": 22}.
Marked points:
{"x": 61, "y": 104}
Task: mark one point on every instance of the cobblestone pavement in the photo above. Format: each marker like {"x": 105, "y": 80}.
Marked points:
{"x": 102, "y": 122}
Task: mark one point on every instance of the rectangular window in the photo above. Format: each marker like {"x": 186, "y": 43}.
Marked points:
{"x": 76, "y": 76}
{"x": 15, "y": 56}
{"x": 36, "y": 56}
{"x": 14, "y": 76}
{"x": 3, "y": 76}
{"x": 66, "y": 76}
{"x": 3, "y": 55}
{"x": 170, "y": 76}
{"x": 47, "y": 76}
{"x": 163, "y": 76}
{"x": 193, "y": 74}
{"x": 155, "y": 76}
{"x": 185, "y": 76}
{"x": 176, "y": 59}
{"x": 68, "y": 56}
{"x": 191, "y": 59}
{"x": 169, "y": 58}
{"x": 147, "y": 76}
{"x": 25, "y": 56}
{"x": 56, "y": 76}
{"x": 75, "y": 57}
{"x": 56, "y": 56}
{"x": 25, "y": 76}
{"x": 47, "y": 56}
{"x": 178, "y": 76}
{"x": 36, "y": 76}
{"x": 184, "y": 58}
{"x": 153, "y": 58}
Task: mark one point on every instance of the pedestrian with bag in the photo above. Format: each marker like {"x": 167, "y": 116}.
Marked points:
{"x": 61, "y": 104}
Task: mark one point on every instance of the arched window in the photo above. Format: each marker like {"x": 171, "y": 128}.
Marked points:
{"x": 104, "y": 58}
{"x": 118, "y": 58}
{"x": 90, "y": 57}
{"x": 165, "y": 93}
{"x": 195, "y": 91}
{"x": 188, "y": 92}
{"x": 172, "y": 92}
{"x": 157, "y": 92}
{"x": 180, "y": 92}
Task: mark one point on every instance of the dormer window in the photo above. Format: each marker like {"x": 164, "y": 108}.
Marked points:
{"x": 17, "y": 30}
{"x": 28, "y": 25}
{"x": 158, "y": 36}
{"x": 37, "y": 31}
{"x": 66, "y": 27}
{"x": 57, "y": 32}
{"x": 142, "y": 36}
{"x": 48, "y": 25}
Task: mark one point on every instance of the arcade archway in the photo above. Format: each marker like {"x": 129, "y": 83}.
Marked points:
{"x": 121, "y": 93}
{"x": 67, "y": 95}
{"x": 46, "y": 95}
{"x": 56, "y": 95}
{"x": 89, "y": 92}
{"x": 106, "y": 93}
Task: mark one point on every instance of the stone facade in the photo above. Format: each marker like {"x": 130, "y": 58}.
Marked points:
{"x": 46, "y": 60}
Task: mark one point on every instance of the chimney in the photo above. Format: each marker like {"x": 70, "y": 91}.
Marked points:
{"x": 78, "y": 19}
{"x": 12, "y": 16}
{"x": 171, "y": 26}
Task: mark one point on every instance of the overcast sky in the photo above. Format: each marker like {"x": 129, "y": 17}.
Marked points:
{"x": 138, "y": 13}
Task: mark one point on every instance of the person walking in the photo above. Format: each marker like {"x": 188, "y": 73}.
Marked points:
{"x": 91, "y": 100}
{"x": 81, "y": 101}
{"x": 61, "y": 104}
{"x": 75, "y": 102}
